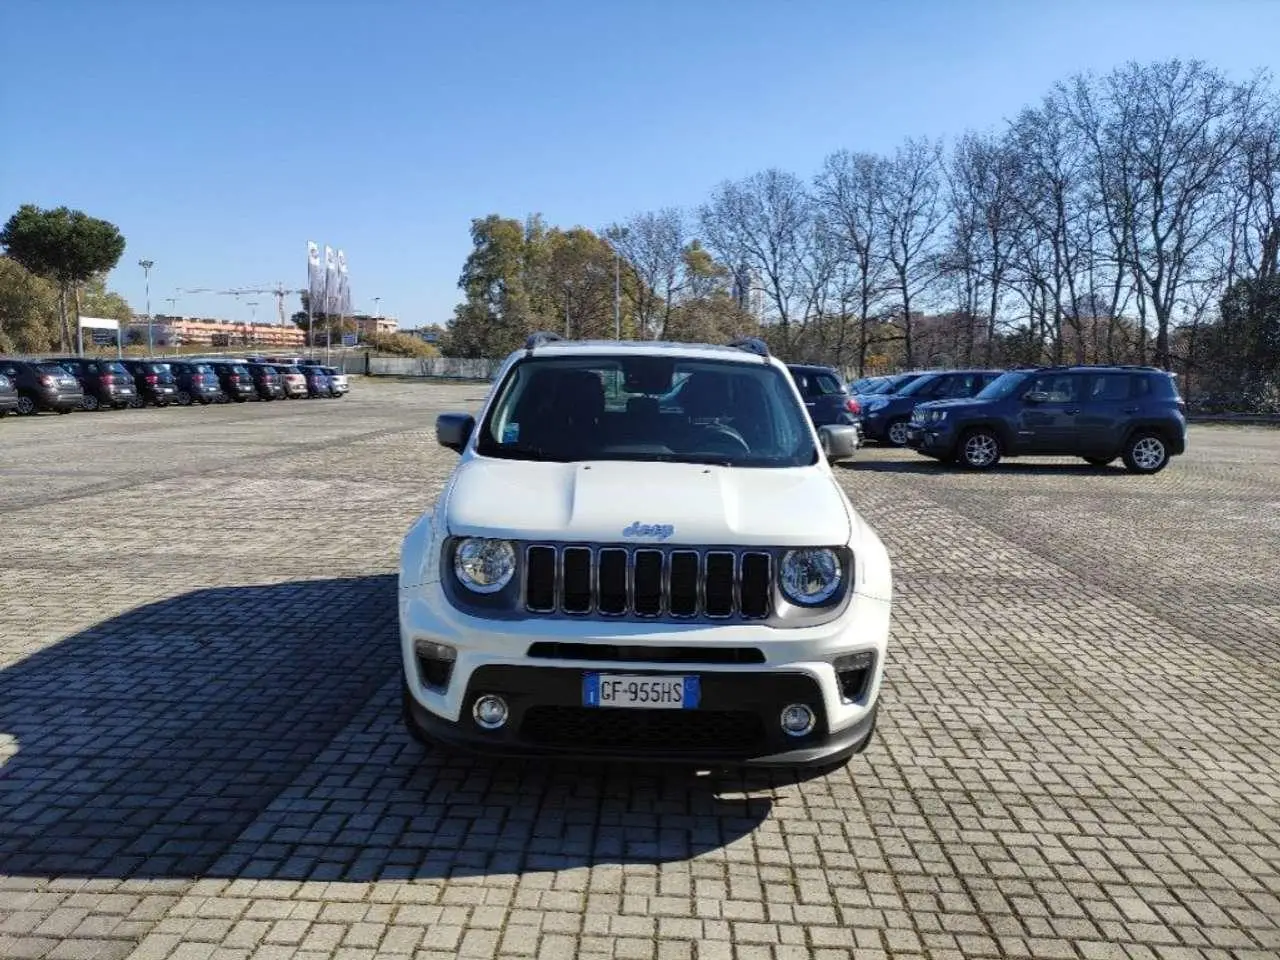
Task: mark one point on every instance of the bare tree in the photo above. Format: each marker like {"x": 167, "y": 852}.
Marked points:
{"x": 847, "y": 191}
{"x": 1164, "y": 136}
{"x": 653, "y": 246}
{"x": 910, "y": 212}
{"x": 763, "y": 226}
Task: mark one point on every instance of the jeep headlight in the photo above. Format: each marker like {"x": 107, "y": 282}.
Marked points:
{"x": 810, "y": 577}
{"x": 484, "y": 566}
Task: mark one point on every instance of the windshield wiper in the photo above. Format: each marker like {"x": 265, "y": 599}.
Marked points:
{"x": 519, "y": 451}
{"x": 705, "y": 459}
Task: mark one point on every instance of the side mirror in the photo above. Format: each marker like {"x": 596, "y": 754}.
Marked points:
{"x": 839, "y": 441}
{"x": 1036, "y": 396}
{"x": 453, "y": 430}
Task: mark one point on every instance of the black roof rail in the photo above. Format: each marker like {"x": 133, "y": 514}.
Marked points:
{"x": 751, "y": 345}
{"x": 539, "y": 338}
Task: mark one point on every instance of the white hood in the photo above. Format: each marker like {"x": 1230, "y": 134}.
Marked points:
{"x": 598, "y": 501}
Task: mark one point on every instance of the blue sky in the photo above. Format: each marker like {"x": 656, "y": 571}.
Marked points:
{"x": 222, "y": 136}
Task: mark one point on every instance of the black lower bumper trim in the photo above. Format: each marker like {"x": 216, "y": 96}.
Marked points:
{"x": 736, "y": 724}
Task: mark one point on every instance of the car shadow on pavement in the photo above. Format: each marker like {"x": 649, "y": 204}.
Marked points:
{"x": 254, "y": 732}
{"x": 1007, "y": 468}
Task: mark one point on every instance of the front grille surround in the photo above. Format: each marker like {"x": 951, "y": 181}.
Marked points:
{"x": 531, "y": 595}
{"x": 648, "y": 582}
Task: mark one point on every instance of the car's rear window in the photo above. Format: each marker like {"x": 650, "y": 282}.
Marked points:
{"x": 202, "y": 368}
{"x": 54, "y": 369}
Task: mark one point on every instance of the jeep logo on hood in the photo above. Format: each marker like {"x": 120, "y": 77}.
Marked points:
{"x": 659, "y": 531}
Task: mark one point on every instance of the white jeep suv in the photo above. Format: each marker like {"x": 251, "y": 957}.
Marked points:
{"x": 643, "y": 553}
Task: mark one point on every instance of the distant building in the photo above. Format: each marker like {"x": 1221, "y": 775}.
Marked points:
{"x": 366, "y": 324}
{"x": 167, "y": 331}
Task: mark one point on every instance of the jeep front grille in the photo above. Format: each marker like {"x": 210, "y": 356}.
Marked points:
{"x": 648, "y": 582}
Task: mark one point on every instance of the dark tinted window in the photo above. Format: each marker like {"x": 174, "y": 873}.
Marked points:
{"x": 960, "y": 386}
{"x": 1105, "y": 387}
{"x": 1060, "y": 387}
{"x": 1161, "y": 386}
{"x": 922, "y": 387}
{"x": 55, "y": 369}
{"x": 825, "y": 384}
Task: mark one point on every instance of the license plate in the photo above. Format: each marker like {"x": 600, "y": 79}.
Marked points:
{"x": 645, "y": 692}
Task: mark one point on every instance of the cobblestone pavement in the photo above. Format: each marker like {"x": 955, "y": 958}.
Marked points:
{"x": 200, "y": 754}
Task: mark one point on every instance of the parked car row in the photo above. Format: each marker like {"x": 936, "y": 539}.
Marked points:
{"x": 977, "y": 417}
{"x": 63, "y": 384}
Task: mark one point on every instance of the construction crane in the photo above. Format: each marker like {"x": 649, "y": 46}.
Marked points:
{"x": 278, "y": 291}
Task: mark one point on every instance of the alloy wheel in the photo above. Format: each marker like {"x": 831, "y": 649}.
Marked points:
{"x": 1148, "y": 454}
{"x": 981, "y": 450}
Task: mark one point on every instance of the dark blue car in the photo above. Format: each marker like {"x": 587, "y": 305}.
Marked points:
{"x": 1096, "y": 413}
{"x": 885, "y": 416}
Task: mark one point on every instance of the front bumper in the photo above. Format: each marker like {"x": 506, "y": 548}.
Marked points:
{"x": 934, "y": 439}
{"x": 874, "y": 426}
{"x": 737, "y": 722}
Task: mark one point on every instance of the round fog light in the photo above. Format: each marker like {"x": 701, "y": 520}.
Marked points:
{"x": 490, "y": 711}
{"x": 797, "y": 720}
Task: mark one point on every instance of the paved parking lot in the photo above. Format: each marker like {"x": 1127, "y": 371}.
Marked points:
{"x": 200, "y": 753}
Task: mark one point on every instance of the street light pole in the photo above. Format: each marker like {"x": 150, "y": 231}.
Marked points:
{"x": 377, "y": 310}
{"x": 617, "y": 295}
{"x": 146, "y": 266}
{"x": 253, "y": 322}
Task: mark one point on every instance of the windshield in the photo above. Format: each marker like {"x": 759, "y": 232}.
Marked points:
{"x": 566, "y": 409}
{"x": 917, "y": 385}
{"x": 872, "y": 387}
{"x": 1002, "y": 386}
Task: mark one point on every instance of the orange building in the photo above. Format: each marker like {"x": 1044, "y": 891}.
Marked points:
{"x": 169, "y": 331}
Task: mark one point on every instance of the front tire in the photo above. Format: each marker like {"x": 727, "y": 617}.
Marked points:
{"x": 90, "y": 403}
{"x": 896, "y": 433}
{"x": 183, "y": 398}
{"x": 1146, "y": 453}
{"x": 979, "y": 449}
{"x": 26, "y": 407}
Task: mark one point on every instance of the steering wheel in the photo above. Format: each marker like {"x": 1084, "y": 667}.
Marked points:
{"x": 723, "y": 438}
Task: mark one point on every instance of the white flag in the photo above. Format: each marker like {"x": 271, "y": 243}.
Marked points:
{"x": 330, "y": 280}
{"x": 315, "y": 276}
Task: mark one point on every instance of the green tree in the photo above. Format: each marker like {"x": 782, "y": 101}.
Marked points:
{"x": 28, "y": 310}
{"x": 67, "y": 247}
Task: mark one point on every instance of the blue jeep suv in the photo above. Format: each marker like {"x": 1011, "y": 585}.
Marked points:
{"x": 1095, "y": 412}
{"x": 885, "y": 416}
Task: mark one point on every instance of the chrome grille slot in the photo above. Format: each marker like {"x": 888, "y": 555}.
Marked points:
{"x": 576, "y": 577}
{"x": 647, "y": 582}
{"x": 540, "y": 579}
{"x": 718, "y": 584}
{"x": 755, "y": 584}
{"x": 682, "y": 590}
{"x": 613, "y": 582}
